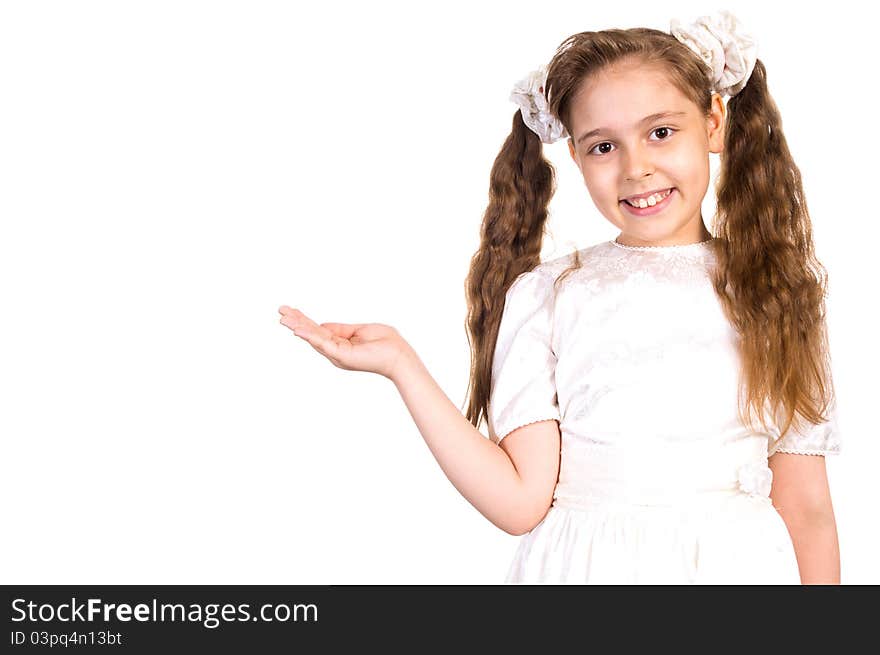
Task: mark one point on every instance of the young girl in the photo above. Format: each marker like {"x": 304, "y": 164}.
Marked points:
{"x": 621, "y": 382}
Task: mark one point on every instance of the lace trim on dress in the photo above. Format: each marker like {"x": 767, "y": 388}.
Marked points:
{"x": 677, "y": 246}
{"x": 797, "y": 451}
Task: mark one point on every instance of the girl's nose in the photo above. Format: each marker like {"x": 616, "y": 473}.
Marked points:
{"x": 637, "y": 164}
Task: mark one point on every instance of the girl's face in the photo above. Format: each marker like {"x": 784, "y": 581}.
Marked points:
{"x": 633, "y": 153}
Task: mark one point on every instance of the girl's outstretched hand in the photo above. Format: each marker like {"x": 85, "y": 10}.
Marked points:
{"x": 370, "y": 347}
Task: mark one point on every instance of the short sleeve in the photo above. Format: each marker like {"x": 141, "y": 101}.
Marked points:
{"x": 523, "y": 386}
{"x": 814, "y": 439}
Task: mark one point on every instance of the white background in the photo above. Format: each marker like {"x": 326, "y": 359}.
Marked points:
{"x": 173, "y": 172}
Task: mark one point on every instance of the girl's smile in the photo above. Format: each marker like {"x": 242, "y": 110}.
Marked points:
{"x": 649, "y": 209}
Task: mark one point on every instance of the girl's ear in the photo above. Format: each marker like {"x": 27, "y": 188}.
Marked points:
{"x": 715, "y": 124}
{"x": 573, "y": 153}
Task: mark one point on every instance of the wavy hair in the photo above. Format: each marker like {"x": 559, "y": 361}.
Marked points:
{"x": 770, "y": 284}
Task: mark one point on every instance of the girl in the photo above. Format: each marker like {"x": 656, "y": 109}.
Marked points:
{"x": 621, "y": 382}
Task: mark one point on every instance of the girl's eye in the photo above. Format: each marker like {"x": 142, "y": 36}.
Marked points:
{"x": 667, "y": 130}
{"x": 599, "y": 145}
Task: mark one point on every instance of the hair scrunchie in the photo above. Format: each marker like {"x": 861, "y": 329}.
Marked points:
{"x": 720, "y": 41}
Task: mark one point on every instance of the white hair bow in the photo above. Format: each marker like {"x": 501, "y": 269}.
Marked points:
{"x": 720, "y": 42}
{"x": 528, "y": 93}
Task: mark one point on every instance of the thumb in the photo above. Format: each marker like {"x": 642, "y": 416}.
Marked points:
{"x": 344, "y": 330}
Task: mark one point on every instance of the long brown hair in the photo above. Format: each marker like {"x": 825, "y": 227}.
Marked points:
{"x": 771, "y": 285}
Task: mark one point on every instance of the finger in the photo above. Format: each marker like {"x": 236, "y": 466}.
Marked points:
{"x": 299, "y": 326}
{"x": 302, "y": 326}
{"x": 321, "y": 339}
{"x": 287, "y": 310}
{"x": 294, "y": 318}
{"x": 296, "y": 326}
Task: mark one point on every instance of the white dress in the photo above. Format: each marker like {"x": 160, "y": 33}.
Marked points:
{"x": 660, "y": 482}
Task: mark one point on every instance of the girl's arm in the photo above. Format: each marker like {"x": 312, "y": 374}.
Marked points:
{"x": 510, "y": 484}
{"x": 802, "y": 497}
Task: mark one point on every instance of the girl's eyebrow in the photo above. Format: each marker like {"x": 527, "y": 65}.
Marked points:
{"x": 646, "y": 119}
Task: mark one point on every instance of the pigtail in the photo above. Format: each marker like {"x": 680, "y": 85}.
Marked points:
{"x": 521, "y": 184}
{"x": 768, "y": 278}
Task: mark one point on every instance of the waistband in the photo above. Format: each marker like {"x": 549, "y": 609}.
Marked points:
{"x": 670, "y": 475}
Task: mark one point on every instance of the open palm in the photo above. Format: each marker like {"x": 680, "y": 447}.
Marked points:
{"x": 371, "y": 347}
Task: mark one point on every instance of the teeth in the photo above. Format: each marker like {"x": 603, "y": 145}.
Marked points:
{"x": 649, "y": 201}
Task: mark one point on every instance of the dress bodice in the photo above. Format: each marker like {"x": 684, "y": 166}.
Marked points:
{"x": 634, "y": 356}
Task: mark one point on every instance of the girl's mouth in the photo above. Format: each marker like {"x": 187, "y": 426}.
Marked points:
{"x": 649, "y": 210}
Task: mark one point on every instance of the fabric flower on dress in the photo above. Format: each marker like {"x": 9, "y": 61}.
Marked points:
{"x": 720, "y": 42}
{"x": 528, "y": 93}
{"x": 755, "y": 479}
